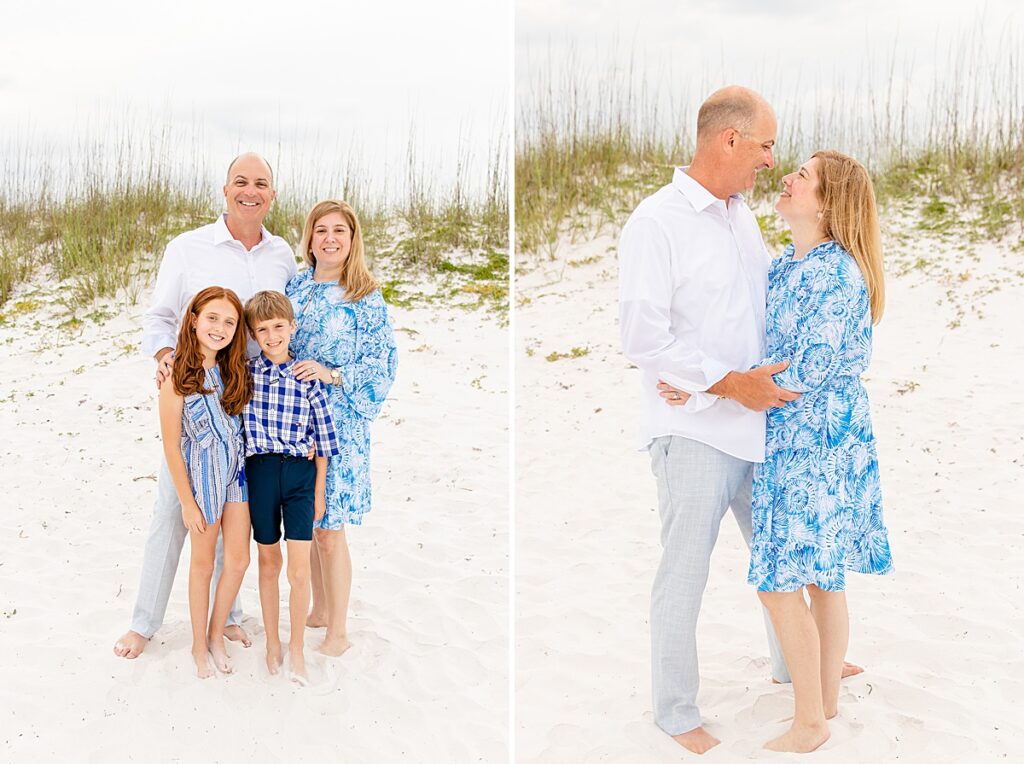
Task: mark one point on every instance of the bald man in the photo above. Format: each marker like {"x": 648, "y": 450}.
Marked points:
{"x": 693, "y": 273}
{"x": 238, "y": 253}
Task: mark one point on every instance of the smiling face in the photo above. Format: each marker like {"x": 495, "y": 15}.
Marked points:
{"x": 330, "y": 243}
{"x": 799, "y": 203}
{"x": 215, "y": 325}
{"x": 249, "y": 190}
{"x": 752, "y": 149}
{"x": 273, "y": 336}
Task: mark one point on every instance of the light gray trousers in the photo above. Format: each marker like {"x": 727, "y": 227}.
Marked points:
{"x": 696, "y": 485}
{"x": 167, "y": 534}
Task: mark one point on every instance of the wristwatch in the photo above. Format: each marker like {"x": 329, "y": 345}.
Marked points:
{"x": 335, "y": 376}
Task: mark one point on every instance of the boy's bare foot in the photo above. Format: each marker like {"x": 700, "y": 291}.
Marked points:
{"x": 236, "y": 633}
{"x": 202, "y": 659}
{"x": 849, "y": 669}
{"x": 334, "y": 646}
{"x": 316, "y": 619}
{"x": 697, "y": 740}
{"x": 130, "y": 645}
{"x": 274, "y": 659}
{"x": 297, "y": 667}
{"x": 220, "y": 656}
{"x": 800, "y": 739}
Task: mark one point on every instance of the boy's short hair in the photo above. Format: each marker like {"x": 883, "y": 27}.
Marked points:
{"x": 266, "y": 305}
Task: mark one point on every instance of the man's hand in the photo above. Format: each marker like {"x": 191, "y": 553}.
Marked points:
{"x": 755, "y": 389}
{"x": 673, "y": 395}
{"x": 164, "y": 366}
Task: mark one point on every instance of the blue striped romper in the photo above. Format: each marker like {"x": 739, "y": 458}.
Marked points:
{"x": 212, "y": 447}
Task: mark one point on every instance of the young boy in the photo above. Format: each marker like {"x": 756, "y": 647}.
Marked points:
{"x": 284, "y": 420}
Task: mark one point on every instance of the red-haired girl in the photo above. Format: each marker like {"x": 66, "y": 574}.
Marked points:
{"x": 199, "y": 421}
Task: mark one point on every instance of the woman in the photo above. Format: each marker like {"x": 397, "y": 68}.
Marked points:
{"x": 817, "y": 509}
{"x": 345, "y": 340}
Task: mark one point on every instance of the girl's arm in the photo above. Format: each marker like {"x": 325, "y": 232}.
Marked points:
{"x": 320, "y": 492}
{"x": 171, "y": 407}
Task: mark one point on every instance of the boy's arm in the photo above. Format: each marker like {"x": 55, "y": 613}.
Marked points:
{"x": 324, "y": 435}
{"x": 171, "y": 407}
{"x": 319, "y": 497}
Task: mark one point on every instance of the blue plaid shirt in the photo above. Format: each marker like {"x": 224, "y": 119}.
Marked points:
{"x": 287, "y": 415}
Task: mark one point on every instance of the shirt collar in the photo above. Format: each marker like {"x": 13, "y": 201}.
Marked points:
{"x": 694, "y": 192}
{"x": 273, "y": 370}
{"x": 221, "y": 233}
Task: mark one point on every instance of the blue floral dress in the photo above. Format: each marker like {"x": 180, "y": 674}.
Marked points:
{"x": 817, "y": 505}
{"x": 356, "y": 338}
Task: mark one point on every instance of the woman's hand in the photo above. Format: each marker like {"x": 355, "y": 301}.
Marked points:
{"x": 307, "y": 370}
{"x": 673, "y": 395}
{"x": 193, "y": 518}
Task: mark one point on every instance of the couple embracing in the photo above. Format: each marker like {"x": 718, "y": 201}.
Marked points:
{"x": 752, "y": 400}
{"x": 265, "y": 413}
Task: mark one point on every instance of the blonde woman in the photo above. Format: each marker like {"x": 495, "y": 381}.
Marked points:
{"x": 344, "y": 339}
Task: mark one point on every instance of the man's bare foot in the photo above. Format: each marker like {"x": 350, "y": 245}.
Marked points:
{"x": 697, "y": 740}
{"x": 236, "y": 633}
{"x": 297, "y": 666}
{"x": 316, "y": 619}
{"x": 800, "y": 739}
{"x": 220, "y": 656}
{"x": 202, "y": 659}
{"x": 334, "y": 646}
{"x": 274, "y": 659}
{"x": 130, "y": 645}
{"x": 849, "y": 669}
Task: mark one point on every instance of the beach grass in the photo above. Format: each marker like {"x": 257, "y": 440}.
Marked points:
{"x": 98, "y": 222}
{"x": 590, "y": 147}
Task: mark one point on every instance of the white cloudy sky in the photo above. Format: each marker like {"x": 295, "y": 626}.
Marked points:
{"x": 300, "y": 74}
{"x": 804, "y": 55}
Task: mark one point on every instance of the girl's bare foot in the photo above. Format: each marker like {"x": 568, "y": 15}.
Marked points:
{"x": 297, "y": 666}
{"x": 236, "y": 633}
{"x": 202, "y": 660}
{"x": 130, "y": 645}
{"x": 697, "y": 740}
{"x": 220, "y": 656}
{"x": 316, "y": 619}
{"x": 274, "y": 659}
{"x": 334, "y": 646}
{"x": 800, "y": 739}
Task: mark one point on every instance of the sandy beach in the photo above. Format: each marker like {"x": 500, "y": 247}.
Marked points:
{"x": 940, "y": 638}
{"x": 426, "y": 678}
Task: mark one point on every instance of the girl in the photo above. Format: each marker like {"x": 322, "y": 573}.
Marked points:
{"x": 199, "y": 421}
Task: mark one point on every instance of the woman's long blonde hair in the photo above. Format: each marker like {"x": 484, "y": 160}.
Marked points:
{"x": 355, "y": 275}
{"x": 849, "y": 215}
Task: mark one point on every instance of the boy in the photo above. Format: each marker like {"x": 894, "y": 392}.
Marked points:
{"x": 284, "y": 420}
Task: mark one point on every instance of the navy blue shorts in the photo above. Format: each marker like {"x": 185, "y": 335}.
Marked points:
{"x": 281, "y": 487}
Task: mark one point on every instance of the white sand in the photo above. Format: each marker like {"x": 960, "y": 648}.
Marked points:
{"x": 426, "y": 679}
{"x": 941, "y": 638}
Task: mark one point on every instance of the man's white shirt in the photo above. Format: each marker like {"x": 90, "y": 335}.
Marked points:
{"x": 693, "y": 277}
{"x": 211, "y": 256}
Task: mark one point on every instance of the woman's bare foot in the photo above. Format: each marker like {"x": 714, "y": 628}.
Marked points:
{"x": 236, "y": 633}
{"x": 800, "y": 739}
{"x": 334, "y": 646}
{"x": 316, "y": 619}
{"x": 130, "y": 645}
{"x": 849, "y": 669}
{"x": 202, "y": 659}
{"x": 697, "y": 740}
{"x": 221, "y": 659}
{"x": 274, "y": 659}
{"x": 297, "y": 666}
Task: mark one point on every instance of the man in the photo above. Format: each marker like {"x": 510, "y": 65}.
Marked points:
{"x": 236, "y": 252}
{"x": 693, "y": 280}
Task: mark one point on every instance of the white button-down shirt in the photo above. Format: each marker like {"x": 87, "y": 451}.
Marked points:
{"x": 693, "y": 276}
{"x": 211, "y": 256}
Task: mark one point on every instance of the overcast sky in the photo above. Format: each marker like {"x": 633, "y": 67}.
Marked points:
{"x": 303, "y": 73}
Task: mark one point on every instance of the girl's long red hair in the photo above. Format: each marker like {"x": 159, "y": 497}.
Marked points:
{"x": 188, "y": 374}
